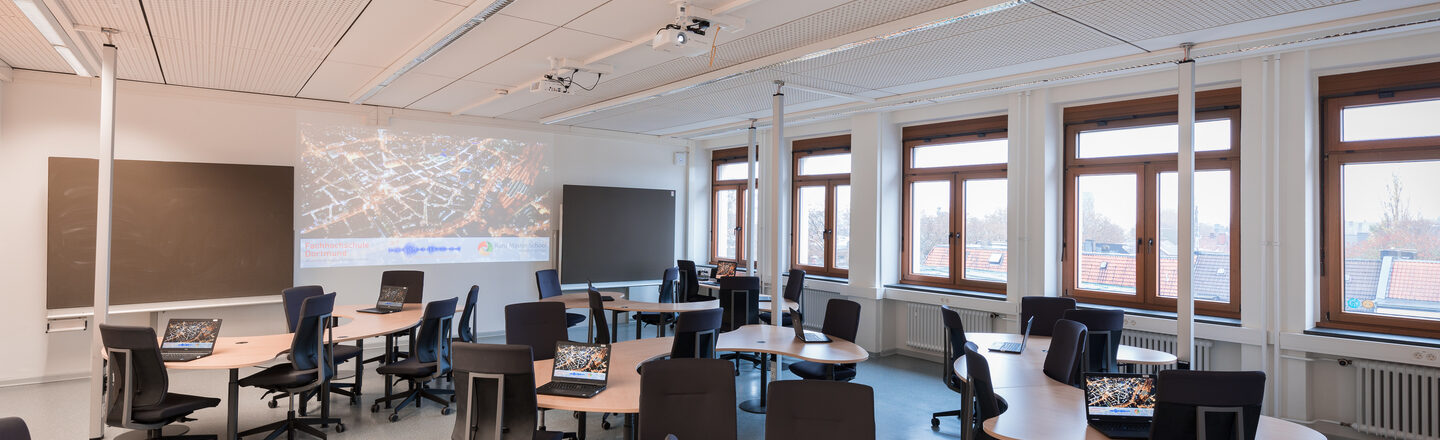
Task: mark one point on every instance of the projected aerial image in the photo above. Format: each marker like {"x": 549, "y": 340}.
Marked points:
{"x": 381, "y": 196}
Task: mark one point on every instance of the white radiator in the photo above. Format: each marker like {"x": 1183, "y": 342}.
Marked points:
{"x": 1165, "y": 343}
{"x": 1397, "y": 401}
{"x": 926, "y": 329}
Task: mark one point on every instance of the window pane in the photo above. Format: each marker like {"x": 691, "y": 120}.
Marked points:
{"x": 827, "y": 164}
{"x": 731, "y": 171}
{"x": 1212, "y": 135}
{"x": 1107, "y": 233}
{"x": 1390, "y": 121}
{"x": 842, "y": 226}
{"x": 984, "y": 152}
{"x": 930, "y": 228}
{"x": 1392, "y": 238}
{"x": 1211, "y": 275}
{"x": 725, "y": 223}
{"x": 985, "y": 202}
{"x": 811, "y": 212}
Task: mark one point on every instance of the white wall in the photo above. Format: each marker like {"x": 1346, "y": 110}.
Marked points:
{"x": 45, "y": 115}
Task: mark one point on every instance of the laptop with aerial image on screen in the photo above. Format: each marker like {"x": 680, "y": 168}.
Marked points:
{"x": 392, "y": 299}
{"x": 189, "y": 339}
{"x": 724, "y": 269}
{"x": 580, "y": 370}
{"x": 1120, "y": 405}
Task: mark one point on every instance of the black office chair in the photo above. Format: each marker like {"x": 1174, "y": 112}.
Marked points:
{"x": 431, "y": 361}
{"x": 496, "y": 394}
{"x": 1207, "y": 405}
{"x": 538, "y": 325}
{"x": 138, "y": 397}
{"x": 292, "y": 298}
{"x": 740, "y": 306}
{"x": 547, "y": 282}
{"x": 955, "y": 346}
{"x": 1067, "y": 349}
{"x": 674, "y": 392}
{"x": 13, "y": 428}
{"x": 1104, "y": 327}
{"x": 667, "y": 296}
{"x": 689, "y": 282}
{"x": 1046, "y": 310}
{"x": 812, "y": 409}
{"x": 794, "y": 292}
{"x": 599, "y": 323}
{"x": 311, "y": 366}
{"x": 696, "y": 333}
{"x": 467, "y": 317}
{"x": 988, "y": 405}
{"x": 842, "y": 321}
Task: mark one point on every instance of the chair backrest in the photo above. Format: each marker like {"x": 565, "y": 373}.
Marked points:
{"x": 1062, "y": 362}
{"x": 842, "y": 319}
{"x": 695, "y": 334}
{"x": 674, "y": 391}
{"x": 432, "y": 342}
{"x": 810, "y": 409}
{"x": 536, "y": 324}
{"x": 547, "y": 283}
{"x": 494, "y": 390}
{"x": 1046, "y": 310}
{"x": 597, "y": 318}
{"x": 667, "y": 285}
{"x": 467, "y": 317}
{"x": 1208, "y": 405}
{"x": 291, "y": 299}
{"x": 309, "y": 349}
{"x": 689, "y": 279}
{"x": 13, "y": 428}
{"x": 954, "y": 342}
{"x": 137, "y": 374}
{"x": 979, "y": 371}
{"x": 740, "y": 300}
{"x": 795, "y": 287}
{"x": 1105, "y": 328}
{"x": 413, "y": 280}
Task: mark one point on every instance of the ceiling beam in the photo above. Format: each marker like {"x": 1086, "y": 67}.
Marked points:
{"x": 6, "y": 73}
{"x": 828, "y": 92}
{"x": 427, "y": 48}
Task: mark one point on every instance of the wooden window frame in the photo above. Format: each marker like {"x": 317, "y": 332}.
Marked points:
{"x": 817, "y": 147}
{"x": 989, "y": 128}
{"x": 718, "y": 158}
{"x": 1211, "y": 105}
{"x": 1387, "y": 86}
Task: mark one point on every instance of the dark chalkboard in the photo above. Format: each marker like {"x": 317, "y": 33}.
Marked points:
{"x": 180, "y": 231}
{"x": 616, "y": 234}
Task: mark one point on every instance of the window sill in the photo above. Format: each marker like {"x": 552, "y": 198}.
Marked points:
{"x": 1374, "y": 337}
{"x": 824, "y": 278}
{"x": 1163, "y": 315}
{"x": 944, "y": 291}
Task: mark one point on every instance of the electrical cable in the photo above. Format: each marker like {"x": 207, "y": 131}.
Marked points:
{"x": 713, "y": 39}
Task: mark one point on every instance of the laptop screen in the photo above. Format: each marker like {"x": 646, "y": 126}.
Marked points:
{"x": 392, "y": 297}
{"x": 1120, "y": 395}
{"x": 725, "y": 269}
{"x": 577, "y": 362}
{"x": 191, "y": 334}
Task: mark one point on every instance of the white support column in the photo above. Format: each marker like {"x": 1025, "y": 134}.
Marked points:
{"x": 874, "y": 138}
{"x": 752, "y": 154}
{"x": 103, "y": 196}
{"x": 775, "y": 225}
{"x": 1185, "y": 302}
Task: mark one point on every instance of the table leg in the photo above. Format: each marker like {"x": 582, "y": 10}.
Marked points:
{"x": 389, "y": 357}
{"x": 637, "y": 329}
{"x": 757, "y": 406}
{"x": 324, "y": 395}
{"x": 359, "y": 367}
{"x": 580, "y": 426}
{"x": 232, "y": 407}
{"x": 615, "y": 326}
{"x": 630, "y": 427}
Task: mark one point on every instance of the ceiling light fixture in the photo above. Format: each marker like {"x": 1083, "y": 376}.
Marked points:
{"x": 46, "y": 22}
{"x": 434, "y": 48}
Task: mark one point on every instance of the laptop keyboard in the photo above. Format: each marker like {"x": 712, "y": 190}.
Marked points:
{"x": 1122, "y": 429}
{"x": 567, "y": 389}
{"x": 176, "y": 357}
{"x": 1006, "y": 346}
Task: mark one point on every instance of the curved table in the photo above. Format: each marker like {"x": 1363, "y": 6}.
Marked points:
{"x": 771, "y": 340}
{"x": 581, "y": 300}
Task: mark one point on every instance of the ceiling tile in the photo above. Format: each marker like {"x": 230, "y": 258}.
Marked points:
{"x": 555, "y": 12}
{"x": 231, "y": 68}
{"x": 1133, "y": 20}
{"x": 485, "y": 43}
{"x": 135, "y": 56}
{"x": 511, "y": 102}
{"x": 22, "y": 46}
{"x": 336, "y": 81}
{"x": 456, "y": 95}
{"x": 529, "y": 62}
{"x": 408, "y": 89}
{"x": 389, "y": 28}
{"x": 627, "y": 20}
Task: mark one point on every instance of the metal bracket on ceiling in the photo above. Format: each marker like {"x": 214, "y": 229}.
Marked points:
{"x": 1185, "y": 53}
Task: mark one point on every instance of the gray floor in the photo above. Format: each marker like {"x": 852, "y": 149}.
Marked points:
{"x": 907, "y": 390}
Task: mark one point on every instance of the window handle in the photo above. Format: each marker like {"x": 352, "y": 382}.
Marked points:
{"x": 737, "y": 229}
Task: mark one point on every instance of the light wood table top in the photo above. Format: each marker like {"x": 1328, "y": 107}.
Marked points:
{"x": 622, "y": 391}
{"x": 580, "y": 300}
{"x": 762, "y": 338}
{"x": 1033, "y": 359}
{"x": 248, "y": 351}
{"x": 1058, "y": 412}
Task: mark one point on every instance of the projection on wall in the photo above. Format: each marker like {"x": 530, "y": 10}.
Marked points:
{"x": 419, "y": 193}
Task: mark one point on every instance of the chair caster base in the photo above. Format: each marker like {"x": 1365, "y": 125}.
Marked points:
{"x": 393, "y": 418}
{"x": 339, "y": 427}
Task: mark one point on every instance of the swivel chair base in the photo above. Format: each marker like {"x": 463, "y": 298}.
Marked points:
{"x": 295, "y": 424}
{"x": 169, "y": 432}
{"x": 419, "y": 391}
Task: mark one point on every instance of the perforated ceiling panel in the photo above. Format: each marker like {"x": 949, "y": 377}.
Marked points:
{"x": 262, "y": 46}
{"x": 135, "y": 56}
{"x": 21, "y": 46}
{"x": 1135, "y": 20}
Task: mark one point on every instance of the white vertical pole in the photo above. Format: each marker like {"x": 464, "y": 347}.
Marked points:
{"x": 103, "y": 194}
{"x": 1185, "y": 333}
{"x": 752, "y": 151}
{"x": 772, "y": 211}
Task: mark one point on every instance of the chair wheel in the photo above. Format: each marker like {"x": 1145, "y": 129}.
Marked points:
{"x": 354, "y": 401}
{"x": 604, "y": 425}
{"x": 577, "y": 414}
{"x": 934, "y": 422}
{"x": 452, "y": 397}
{"x": 446, "y": 411}
{"x": 339, "y": 427}
{"x": 272, "y": 404}
{"x": 393, "y": 418}
{"x": 375, "y": 408}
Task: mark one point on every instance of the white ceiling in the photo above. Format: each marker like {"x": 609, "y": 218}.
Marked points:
{"x": 337, "y": 49}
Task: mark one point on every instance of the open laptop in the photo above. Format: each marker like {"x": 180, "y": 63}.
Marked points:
{"x": 392, "y": 299}
{"x": 724, "y": 269}
{"x": 1120, "y": 405}
{"x": 1015, "y": 347}
{"x": 798, "y": 323}
{"x": 189, "y": 339}
{"x": 580, "y": 370}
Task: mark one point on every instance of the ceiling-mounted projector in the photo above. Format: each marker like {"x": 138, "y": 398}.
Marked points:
{"x": 693, "y": 30}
